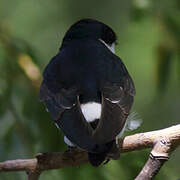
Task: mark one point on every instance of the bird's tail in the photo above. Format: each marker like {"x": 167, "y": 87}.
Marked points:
{"x": 96, "y": 158}
{"x": 111, "y": 152}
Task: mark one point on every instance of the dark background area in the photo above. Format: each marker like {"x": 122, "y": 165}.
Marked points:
{"x": 30, "y": 35}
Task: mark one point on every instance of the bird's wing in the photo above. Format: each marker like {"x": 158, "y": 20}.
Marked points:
{"x": 64, "y": 108}
{"x": 117, "y": 99}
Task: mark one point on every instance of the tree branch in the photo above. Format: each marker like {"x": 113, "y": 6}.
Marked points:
{"x": 162, "y": 141}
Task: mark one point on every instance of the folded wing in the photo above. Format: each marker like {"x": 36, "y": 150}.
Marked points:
{"x": 117, "y": 100}
{"x": 64, "y": 108}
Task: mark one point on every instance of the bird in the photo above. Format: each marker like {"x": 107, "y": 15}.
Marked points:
{"x": 88, "y": 91}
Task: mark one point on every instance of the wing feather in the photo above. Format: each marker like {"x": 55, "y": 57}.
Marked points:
{"x": 64, "y": 108}
{"x": 117, "y": 100}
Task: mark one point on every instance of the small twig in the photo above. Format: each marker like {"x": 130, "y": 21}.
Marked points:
{"x": 163, "y": 142}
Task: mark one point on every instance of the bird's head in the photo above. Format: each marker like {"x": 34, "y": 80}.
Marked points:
{"x": 93, "y": 29}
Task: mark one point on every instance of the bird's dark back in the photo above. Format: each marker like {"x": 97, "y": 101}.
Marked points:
{"x": 86, "y": 64}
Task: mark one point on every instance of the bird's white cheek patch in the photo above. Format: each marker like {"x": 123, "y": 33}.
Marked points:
{"x": 111, "y": 48}
{"x": 91, "y": 111}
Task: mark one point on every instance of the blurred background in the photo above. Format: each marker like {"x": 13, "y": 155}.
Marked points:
{"x": 30, "y": 35}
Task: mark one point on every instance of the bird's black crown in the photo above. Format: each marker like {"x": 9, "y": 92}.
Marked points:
{"x": 89, "y": 28}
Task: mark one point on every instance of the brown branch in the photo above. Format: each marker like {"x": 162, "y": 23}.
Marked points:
{"x": 158, "y": 156}
{"x": 162, "y": 141}
{"x": 151, "y": 168}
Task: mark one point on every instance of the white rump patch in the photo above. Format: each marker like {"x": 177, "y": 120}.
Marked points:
{"x": 111, "y": 48}
{"x": 91, "y": 111}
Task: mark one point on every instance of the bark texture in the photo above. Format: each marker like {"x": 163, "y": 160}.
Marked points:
{"x": 162, "y": 142}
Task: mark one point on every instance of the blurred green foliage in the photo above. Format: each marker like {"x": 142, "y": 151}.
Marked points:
{"x": 31, "y": 33}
